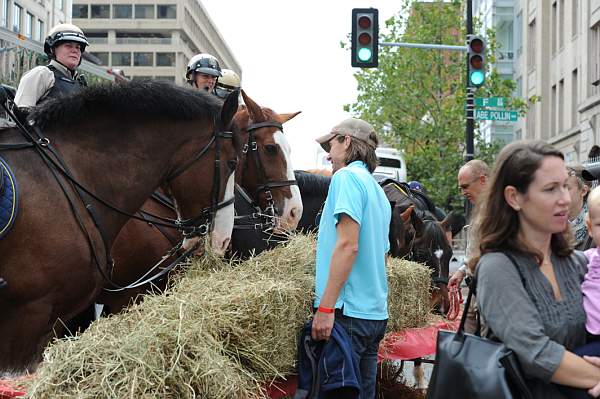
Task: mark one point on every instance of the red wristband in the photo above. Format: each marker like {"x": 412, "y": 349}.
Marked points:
{"x": 324, "y": 309}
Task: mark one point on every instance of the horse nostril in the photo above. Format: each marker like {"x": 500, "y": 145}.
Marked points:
{"x": 295, "y": 213}
{"x": 225, "y": 244}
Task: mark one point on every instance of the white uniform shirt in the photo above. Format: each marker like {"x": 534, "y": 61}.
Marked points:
{"x": 36, "y": 83}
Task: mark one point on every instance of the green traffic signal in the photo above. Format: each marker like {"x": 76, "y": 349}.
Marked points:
{"x": 364, "y": 54}
{"x": 477, "y": 78}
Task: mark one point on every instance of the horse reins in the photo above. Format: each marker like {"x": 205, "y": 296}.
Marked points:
{"x": 267, "y": 217}
{"x": 56, "y": 164}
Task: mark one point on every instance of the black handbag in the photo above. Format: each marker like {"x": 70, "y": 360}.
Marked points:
{"x": 471, "y": 367}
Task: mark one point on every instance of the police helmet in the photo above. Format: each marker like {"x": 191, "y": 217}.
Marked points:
{"x": 64, "y": 33}
{"x": 228, "y": 82}
{"x": 203, "y": 63}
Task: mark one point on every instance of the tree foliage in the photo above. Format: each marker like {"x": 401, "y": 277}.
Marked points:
{"x": 416, "y": 97}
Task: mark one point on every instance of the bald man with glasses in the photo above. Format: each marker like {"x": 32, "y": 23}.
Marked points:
{"x": 472, "y": 179}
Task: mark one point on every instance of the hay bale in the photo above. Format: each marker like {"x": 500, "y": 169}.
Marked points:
{"x": 219, "y": 332}
{"x": 408, "y": 294}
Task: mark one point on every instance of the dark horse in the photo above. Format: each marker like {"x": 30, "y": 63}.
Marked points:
{"x": 415, "y": 234}
{"x": 89, "y": 162}
{"x": 264, "y": 183}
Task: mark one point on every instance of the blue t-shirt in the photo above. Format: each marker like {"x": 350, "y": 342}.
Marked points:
{"x": 355, "y": 192}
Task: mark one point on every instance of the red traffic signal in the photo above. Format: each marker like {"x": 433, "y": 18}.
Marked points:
{"x": 364, "y": 38}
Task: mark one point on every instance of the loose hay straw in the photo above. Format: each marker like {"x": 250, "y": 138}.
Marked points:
{"x": 222, "y": 331}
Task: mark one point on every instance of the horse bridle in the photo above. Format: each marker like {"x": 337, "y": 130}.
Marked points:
{"x": 54, "y": 161}
{"x": 189, "y": 227}
{"x": 266, "y": 217}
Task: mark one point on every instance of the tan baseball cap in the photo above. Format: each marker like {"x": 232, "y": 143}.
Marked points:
{"x": 352, "y": 127}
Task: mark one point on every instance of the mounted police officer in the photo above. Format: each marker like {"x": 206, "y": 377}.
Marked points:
{"x": 203, "y": 71}
{"x": 64, "y": 46}
{"x": 227, "y": 83}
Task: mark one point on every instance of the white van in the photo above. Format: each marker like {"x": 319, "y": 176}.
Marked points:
{"x": 391, "y": 164}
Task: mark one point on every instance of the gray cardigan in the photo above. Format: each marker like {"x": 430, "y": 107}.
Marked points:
{"x": 528, "y": 319}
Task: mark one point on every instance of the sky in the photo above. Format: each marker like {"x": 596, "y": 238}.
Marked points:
{"x": 292, "y": 60}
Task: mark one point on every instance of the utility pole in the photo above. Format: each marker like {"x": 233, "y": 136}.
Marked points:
{"x": 470, "y": 126}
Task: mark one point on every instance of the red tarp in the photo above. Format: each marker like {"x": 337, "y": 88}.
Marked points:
{"x": 8, "y": 390}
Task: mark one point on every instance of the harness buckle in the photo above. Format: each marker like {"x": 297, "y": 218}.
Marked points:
{"x": 254, "y": 146}
{"x": 245, "y": 149}
{"x": 44, "y": 142}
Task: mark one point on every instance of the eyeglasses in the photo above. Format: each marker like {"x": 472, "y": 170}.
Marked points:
{"x": 465, "y": 187}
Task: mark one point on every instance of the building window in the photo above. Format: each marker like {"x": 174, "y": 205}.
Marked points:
{"x": 60, "y": 5}
{"x": 29, "y": 25}
{"x": 561, "y": 105}
{"x": 554, "y": 27}
{"x": 166, "y": 78}
{"x": 39, "y": 31}
{"x": 80, "y": 10}
{"x": 165, "y": 59}
{"x": 143, "y": 59}
{"x": 17, "y": 17}
{"x": 574, "y": 98}
{"x": 123, "y": 11}
{"x": 144, "y": 11}
{"x": 575, "y": 17}
{"x": 100, "y": 11}
{"x": 4, "y": 20}
{"x": 594, "y": 59}
{"x": 518, "y": 26}
{"x": 102, "y": 56}
{"x": 561, "y": 24}
{"x": 554, "y": 112}
{"x": 121, "y": 59}
{"x": 166, "y": 11}
{"x": 531, "y": 48}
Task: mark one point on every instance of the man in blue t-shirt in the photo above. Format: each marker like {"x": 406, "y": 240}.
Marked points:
{"x": 351, "y": 283}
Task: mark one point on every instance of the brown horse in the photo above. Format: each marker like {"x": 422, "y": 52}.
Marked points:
{"x": 89, "y": 162}
{"x": 263, "y": 172}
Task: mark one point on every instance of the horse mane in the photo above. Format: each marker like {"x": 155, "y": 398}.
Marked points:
{"x": 138, "y": 97}
{"x": 311, "y": 183}
{"x": 320, "y": 172}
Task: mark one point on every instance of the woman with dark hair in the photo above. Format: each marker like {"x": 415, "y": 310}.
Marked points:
{"x": 528, "y": 276}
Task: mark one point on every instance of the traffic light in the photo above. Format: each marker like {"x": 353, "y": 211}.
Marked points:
{"x": 365, "y": 37}
{"x": 476, "y": 51}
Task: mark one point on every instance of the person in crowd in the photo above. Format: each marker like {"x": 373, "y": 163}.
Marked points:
{"x": 203, "y": 72}
{"x": 528, "y": 276}
{"x": 351, "y": 283}
{"x": 591, "y": 282}
{"x": 578, "y": 189}
{"x": 64, "y": 46}
{"x": 227, "y": 83}
{"x": 472, "y": 181}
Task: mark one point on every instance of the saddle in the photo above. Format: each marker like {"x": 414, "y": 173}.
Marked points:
{"x": 421, "y": 201}
{"x": 9, "y": 198}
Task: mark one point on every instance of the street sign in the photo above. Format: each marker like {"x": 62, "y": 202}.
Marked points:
{"x": 491, "y": 102}
{"x": 495, "y": 115}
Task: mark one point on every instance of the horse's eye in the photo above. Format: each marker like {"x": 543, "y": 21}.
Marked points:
{"x": 271, "y": 149}
{"x": 232, "y": 164}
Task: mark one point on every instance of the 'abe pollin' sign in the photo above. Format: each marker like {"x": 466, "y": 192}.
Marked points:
{"x": 494, "y": 115}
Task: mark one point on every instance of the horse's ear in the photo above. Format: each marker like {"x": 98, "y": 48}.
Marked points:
{"x": 406, "y": 214}
{"x": 287, "y": 117}
{"x": 230, "y": 107}
{"x": 254, "y": 110}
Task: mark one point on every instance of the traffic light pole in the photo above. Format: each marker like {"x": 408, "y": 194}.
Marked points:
{"x": 470, "y": 126}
